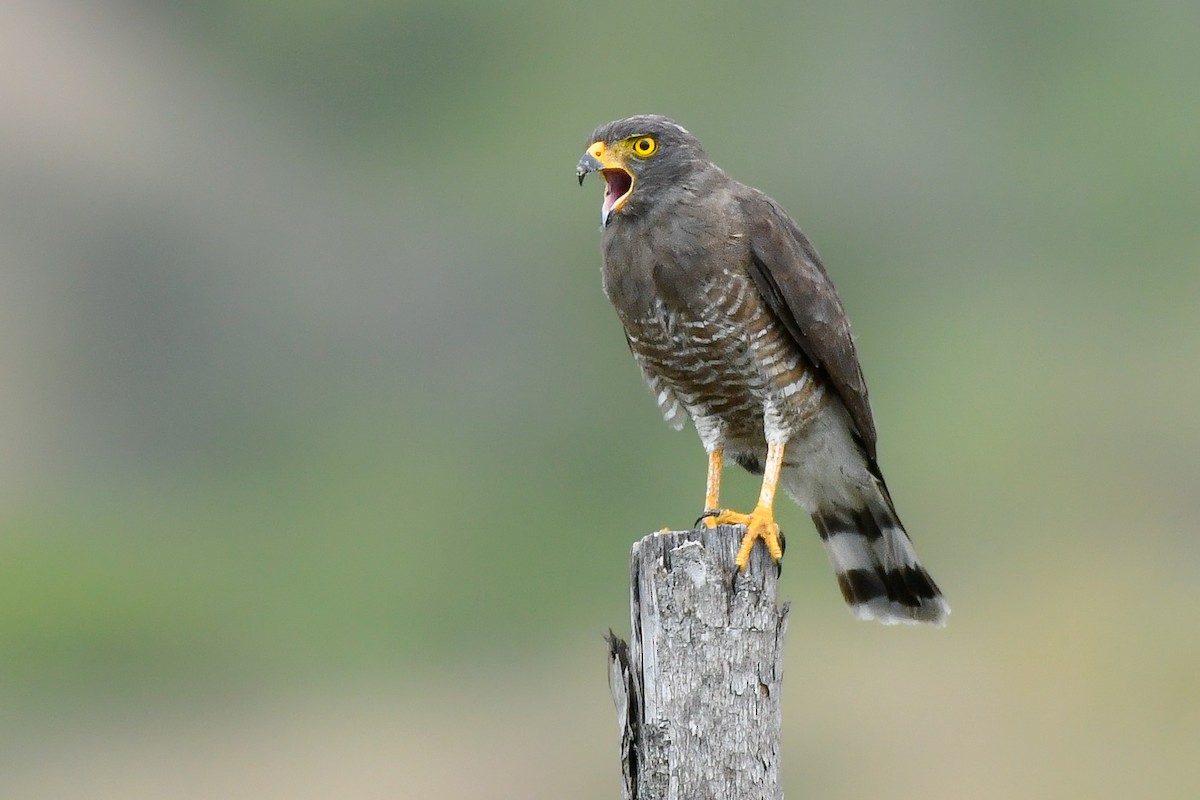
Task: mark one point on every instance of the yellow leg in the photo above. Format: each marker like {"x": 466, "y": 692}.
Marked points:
{"x": 760, "y": 523}
{"x": 712, "y": 488}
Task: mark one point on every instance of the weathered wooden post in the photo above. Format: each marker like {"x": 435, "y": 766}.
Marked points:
{"x": 697, "y": 688}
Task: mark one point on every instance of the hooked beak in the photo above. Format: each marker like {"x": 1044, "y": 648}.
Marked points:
{"x": 589, "y": 163}
{"x": 617, "y": 177}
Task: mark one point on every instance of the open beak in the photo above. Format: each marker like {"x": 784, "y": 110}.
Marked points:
{"x": 618, "y": 180}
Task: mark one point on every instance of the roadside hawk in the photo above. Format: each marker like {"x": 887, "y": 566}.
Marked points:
{"x": 735, "y": 323}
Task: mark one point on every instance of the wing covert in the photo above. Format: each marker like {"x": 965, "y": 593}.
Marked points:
{"x": 789, "y": 275}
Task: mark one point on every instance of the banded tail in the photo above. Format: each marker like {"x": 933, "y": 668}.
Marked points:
{"x": 876, "y": 566}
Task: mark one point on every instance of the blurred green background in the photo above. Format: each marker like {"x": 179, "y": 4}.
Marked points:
{"x": 322, "y": 451}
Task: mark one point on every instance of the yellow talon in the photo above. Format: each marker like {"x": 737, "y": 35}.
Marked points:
{"x": 712, "y": 489}
{"x": 760, "y": 524}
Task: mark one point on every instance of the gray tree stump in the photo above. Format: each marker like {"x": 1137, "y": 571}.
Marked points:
{"x": 697, "y": 688}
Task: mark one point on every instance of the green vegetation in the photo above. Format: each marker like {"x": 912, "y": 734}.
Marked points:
{"x": 310, "y": 378}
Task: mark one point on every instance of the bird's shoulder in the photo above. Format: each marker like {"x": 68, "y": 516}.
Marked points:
{"x": 792, "y": 279}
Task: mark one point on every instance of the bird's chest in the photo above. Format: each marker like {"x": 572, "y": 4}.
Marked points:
{"x": 698, "y": 338}
{"x": 696, "y": 322}
{"x": 672, "y": 273}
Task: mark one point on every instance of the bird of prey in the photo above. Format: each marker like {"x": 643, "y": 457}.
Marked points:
{"x": 734, "y": 322}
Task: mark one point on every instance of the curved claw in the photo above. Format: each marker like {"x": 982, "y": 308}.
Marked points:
{"x": 760, "y": 524}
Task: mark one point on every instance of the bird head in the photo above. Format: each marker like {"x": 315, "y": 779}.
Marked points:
{"x": 640, "y": 158}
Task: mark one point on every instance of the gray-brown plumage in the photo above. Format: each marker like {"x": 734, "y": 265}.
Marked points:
{"x": 734, "y": 322}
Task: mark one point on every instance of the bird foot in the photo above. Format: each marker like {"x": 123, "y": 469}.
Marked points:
{"x": 760, "y": 524}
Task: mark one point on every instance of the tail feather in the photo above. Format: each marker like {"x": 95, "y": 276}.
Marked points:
{"x": 877, "y": 568}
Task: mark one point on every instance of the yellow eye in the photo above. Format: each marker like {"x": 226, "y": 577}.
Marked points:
{"x": 645, "y": 146}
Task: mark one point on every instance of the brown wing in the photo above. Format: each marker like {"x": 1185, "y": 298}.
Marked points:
{"x": 791, "y": 278}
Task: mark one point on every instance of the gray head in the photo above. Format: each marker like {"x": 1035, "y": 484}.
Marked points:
{"x": 642, "y": 160}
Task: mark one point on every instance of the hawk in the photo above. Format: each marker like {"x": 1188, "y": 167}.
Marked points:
{"x": 735, "y": 324}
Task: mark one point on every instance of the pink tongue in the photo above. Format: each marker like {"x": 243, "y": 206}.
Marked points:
{"x": 617, "y": 184}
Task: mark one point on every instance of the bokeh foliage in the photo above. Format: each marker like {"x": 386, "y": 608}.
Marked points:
{"x": 311, "y": 380}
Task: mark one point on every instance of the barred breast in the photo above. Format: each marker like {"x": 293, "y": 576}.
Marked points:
{"x": 727, "y": 361}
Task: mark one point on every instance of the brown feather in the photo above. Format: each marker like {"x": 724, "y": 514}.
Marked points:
{"x": 734, "y": 323}
{"x": 792, "y": 280}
